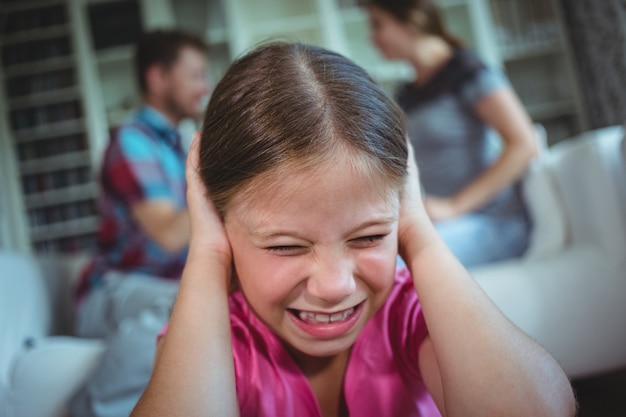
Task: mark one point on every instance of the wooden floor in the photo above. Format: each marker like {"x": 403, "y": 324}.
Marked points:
{"x": 602, "y": 396}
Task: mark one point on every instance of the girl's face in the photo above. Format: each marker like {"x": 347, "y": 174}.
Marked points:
{"x": 393, "y": 38}
{"x": 315, "y": 254}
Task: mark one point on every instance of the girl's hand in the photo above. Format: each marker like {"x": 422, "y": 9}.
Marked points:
{"x": 194, "y": 371}
{"x": 414, "y": 226}
{"x": 208, "y": 236}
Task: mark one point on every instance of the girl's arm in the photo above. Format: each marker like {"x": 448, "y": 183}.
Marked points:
{"x": 194, "y": 372}
{"x": 504, "y": 113}
{"x": 475, "y": 362}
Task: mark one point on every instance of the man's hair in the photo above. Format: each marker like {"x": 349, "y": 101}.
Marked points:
{"x": 162, "y": 47}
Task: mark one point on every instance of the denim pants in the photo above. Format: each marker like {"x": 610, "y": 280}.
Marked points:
{"x": 128, "y": 311}
{"x": 478, "y": 238}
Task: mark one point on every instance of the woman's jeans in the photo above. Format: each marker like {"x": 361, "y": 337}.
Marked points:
{"x": 479, "y": 239}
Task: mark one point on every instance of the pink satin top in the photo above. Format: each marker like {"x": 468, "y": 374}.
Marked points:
{"x": 382, "y": 378}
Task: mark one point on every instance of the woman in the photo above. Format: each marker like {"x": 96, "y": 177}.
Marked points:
{"x": 453, "y": 108}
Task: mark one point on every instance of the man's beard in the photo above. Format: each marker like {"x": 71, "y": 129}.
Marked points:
{"x": 176, "y": 110}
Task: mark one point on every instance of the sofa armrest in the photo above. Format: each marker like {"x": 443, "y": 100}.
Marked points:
{"x": 46, "y": 375}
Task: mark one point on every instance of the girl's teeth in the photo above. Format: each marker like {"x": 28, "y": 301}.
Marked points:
{"x": 306, "y": 316}
{"x": 336, "y": 317}
{"x": 322, "y": 318}
{"x": 325, "y": 318}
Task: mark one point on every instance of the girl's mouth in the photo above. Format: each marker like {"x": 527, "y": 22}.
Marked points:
{"x": 321, "y": 318}
{"x": 326, "y": 326}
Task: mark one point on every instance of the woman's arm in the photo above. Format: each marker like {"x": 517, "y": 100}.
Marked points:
{"x": 194, "y": 372}
{"x": 475, "y": 362}
{"x": 505, "y": 114}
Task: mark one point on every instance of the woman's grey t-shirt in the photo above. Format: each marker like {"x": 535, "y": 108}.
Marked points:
{"x": 453, "y": 145}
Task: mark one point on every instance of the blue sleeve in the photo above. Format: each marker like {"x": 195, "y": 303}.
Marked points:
{"x": 144, "y": 167}
{"x": 485, "y": 82}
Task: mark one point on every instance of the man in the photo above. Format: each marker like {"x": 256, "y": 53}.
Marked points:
{"x": 126, "y": 292}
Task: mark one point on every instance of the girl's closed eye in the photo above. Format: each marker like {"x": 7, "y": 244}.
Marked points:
{"x": 359, "y": 242}
{"x": 286, "y": 250}
{"x": 368, "y": 241}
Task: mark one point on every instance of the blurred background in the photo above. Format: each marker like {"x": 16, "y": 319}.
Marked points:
{"x": 67, "y": 80}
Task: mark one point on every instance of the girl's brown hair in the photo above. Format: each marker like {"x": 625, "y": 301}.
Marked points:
{"x": 425, "y": 15}
{"x": 287, "y": 106}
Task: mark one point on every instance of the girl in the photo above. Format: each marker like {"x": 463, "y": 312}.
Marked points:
{"x": 453, "y": 107}
{"x": 305, "y": 163}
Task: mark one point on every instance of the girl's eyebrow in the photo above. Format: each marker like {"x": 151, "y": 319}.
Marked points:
{"x": 382, "y": 221}
{"x": 271, "y": 234}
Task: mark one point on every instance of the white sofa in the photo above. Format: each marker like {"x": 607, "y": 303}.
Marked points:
{"x": 569, "y": 290}
{"x": 39, "y": 370}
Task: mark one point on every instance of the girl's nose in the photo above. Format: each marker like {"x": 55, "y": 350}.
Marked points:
{"x": 332, "y": 280}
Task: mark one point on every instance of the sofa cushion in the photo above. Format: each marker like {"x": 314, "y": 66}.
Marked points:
{"x": 47, "y": 374}
{"x": 548, "y": 216}
{"x": 572, "y": 303}
{"x": 589, "y": 172}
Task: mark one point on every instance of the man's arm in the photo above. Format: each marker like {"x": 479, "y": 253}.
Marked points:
{"x": 163, "y": 223}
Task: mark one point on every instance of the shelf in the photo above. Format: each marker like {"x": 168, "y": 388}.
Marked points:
{"x": 354, "y": 15}
{"x": 48, "y": 97}
{"x": 447, "y": 4}
{"x": 346, "y": 4}
{"x": 310, "y": 36}
{"x": 390, "y": 72}
{"x": 115, "y": 55}
{"x": 352, "y": 9}
{"x": 36, "y": 34}
{"x": 67, "y": 160}
{"x": 292, "y": 25}
{"x": 63, "y": 195}
{"x": 550, "y": 110}
{"x": 30, "y": 5}
{"x": 117, "y": 116}
{"x": 276, "y": 11}
{"x": 65, "y": 229}
{"x": 54, "y": 129}
{"x": 530, "y": 50}
{"x": 216, "y": 36}
{"x": 34, "y": 67}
